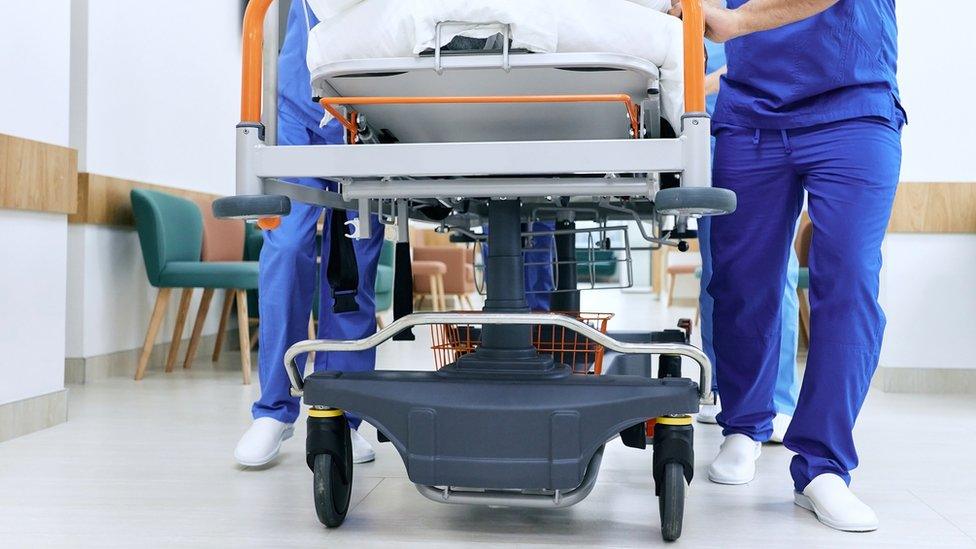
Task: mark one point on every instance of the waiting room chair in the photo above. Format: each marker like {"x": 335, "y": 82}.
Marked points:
{"x": 803, "y": 239}
{"x": 171, "y": 237}
{"x": 456, "y": 281}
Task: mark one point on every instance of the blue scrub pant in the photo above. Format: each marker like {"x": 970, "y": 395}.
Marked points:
{"x": 849, "y": 171}
{"x": 787, "y": 383}
{"x": 287, "y": 283}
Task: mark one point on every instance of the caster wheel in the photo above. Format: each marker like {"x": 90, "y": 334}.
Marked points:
{"x": 331, "y": 491}
{"x": 671, "y": 502}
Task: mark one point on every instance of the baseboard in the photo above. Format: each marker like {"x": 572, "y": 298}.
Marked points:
{"x": 926, "y": 380}
{"x": 26, "y": 416}
{"x": 78, "y": 371}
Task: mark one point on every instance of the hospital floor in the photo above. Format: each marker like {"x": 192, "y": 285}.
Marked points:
{"x": 150, "y": 464}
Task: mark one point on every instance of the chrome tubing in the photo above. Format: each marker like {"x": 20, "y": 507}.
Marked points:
{"x": 556, "y": 500}
{"x": 548, "y": 319}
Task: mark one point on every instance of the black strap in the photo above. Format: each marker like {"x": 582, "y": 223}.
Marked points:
{"x": 342, "y": 271}
{"x": 403, "y": 289}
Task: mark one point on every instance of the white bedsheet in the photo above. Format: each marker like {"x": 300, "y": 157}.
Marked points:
{"x": 368, "y": 29}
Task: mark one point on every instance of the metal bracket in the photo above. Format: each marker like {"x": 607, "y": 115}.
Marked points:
{"x": 506, "y": 31}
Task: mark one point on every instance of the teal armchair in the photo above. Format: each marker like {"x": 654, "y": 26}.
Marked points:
{"x": 171, "y": 237}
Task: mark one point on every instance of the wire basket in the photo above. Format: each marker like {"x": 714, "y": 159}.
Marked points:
{"x": 452, "y": 341}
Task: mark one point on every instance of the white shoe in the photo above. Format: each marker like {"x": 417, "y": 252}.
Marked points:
{"x": 736, "y": 461}
{"x": 362, "y": 450}
{"x": 708, "y": 413}
{"x": 262, "y": 441}
{"x": 780, "y": 425}
{"x": 829, "y": 497}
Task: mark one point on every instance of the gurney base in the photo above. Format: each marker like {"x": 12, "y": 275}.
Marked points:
{"x": 497, "y": 431}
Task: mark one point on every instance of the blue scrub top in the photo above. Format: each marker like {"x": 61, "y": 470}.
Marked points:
{"x": 716, "y": 60}
{"x": 294, "y": 80}
{"x": 837, "y": 65}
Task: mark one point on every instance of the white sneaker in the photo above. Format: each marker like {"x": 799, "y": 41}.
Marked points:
{"x": 736, "y": 461}
{"x": 708, "y": 413}
{"x": 262, "y": 441}
{"x": 780, "y": 425}
{"x": 362, "y": 450}
{"x": 829, "y": 497}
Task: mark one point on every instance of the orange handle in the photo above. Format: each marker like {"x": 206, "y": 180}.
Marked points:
{"x": 252, "y": 67}
{"x": 694, "y": 34}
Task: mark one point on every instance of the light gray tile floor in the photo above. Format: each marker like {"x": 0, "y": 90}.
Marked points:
{"x": 150, "y": 464}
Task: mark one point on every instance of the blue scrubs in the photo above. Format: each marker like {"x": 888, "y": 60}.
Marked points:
{"x": 787, "y": 384}
{"x": 288, "y": 267}
{"x": 810, "y": 109}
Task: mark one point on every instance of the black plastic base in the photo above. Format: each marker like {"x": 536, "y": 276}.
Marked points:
{"x": 251, "y": 206}
{"x": 499, "y": 431}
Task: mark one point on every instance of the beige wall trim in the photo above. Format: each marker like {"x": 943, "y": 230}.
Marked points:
{"x": 926, "y": 380}
{"x": 104, "y": 200}
{"x": 26, "y": 416}
{"x": 36, "y": 176}
{"x": 934, "y": 208}
{"x": 79, "y": 371}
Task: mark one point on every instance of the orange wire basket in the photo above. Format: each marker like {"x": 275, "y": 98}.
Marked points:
{"x": 452, "y": 341}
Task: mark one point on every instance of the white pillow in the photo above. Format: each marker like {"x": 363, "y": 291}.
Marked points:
{"x": 327, "y": 9}
{"x": 659, "y": 5}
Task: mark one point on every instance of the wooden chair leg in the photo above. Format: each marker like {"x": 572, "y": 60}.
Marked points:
{"x": 440, "y": 292}
{"x": 804, "y": 304}
{"x": 379, "y": 322}
{"x": 435, "y": 303}
{"x": 174, "y": 345}
{"x": 255, "y": 332}
{"x": 155, "y": 321}
{"x": 191, "y": 350}
{"x": 673, "y": 279}
{"x": 244, "y": 333}
{"x": 224, "y": 318}
{"x": 312, "y": 334}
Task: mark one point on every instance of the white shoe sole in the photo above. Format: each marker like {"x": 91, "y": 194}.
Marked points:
{"x": 285, "y": 435}
{"x": 365, "y": 459}
{"x": 728, "y": 481}
{"x": 806, "y": 503}
{"x": 707, "y": 420}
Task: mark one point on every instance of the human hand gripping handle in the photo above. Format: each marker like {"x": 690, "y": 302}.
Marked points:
{"x": 723, "y": 24}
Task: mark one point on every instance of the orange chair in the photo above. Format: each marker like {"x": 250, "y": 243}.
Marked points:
{"x": 223, "y": 241}
{"x": 457, "y": 281}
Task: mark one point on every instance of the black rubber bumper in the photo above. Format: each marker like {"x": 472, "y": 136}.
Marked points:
{"x": 251, "y": 206}
{"x": 495, "y": 432}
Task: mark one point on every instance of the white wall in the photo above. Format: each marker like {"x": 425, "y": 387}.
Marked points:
{"x": 34, "y": 105}
{"x": 32, "y": 290}
{"x": 937, "y": 75}
{"x": 162, "y": 100}
{"x": 926, "y": 281}
{"x": 928, "y": 296}
{"x": 164, "y": 91}
{"x": 34, "y": 70}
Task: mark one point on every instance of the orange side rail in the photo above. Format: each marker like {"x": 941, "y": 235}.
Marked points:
{"x": 331, "y": 103}
{"x": 693, "y": 20}
{"x": 251, "y": 62}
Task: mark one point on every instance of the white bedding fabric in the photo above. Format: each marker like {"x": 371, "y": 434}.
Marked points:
{"x": 368, "y": 29}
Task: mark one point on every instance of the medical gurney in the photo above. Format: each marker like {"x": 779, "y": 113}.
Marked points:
{"x": 464, "y": 139}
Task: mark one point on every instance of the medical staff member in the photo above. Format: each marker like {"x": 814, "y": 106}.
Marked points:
{"x": 288, "y": 270}
{"x": 787, "y": 383}
{"x": 809, "y": 106}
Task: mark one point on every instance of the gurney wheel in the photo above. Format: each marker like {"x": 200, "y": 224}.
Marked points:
{"x": 331, "y": 491}
{"x": 671, "y": 501}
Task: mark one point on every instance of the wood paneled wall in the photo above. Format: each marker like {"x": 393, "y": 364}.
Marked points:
{"x": 37, "y": 176}
{"x": 934, "y": 208}
{"x": 104, "y": 200}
